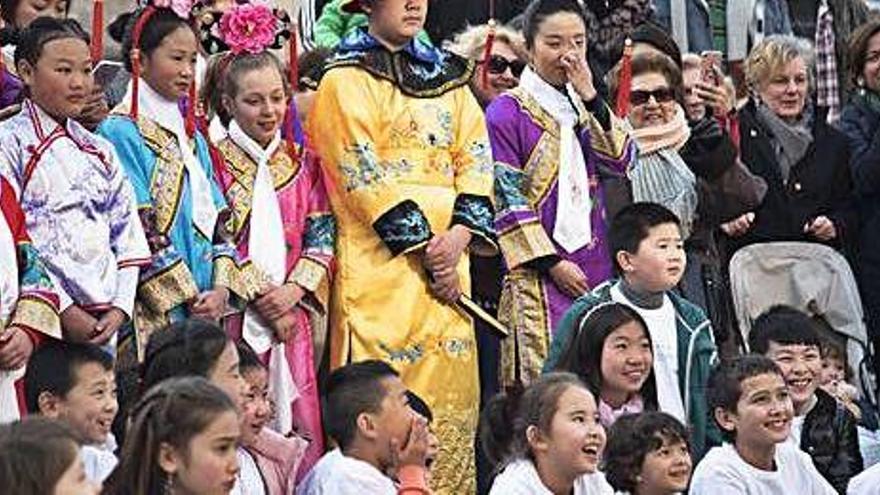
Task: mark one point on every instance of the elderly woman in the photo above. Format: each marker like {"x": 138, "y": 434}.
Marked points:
{"x": 661, "y": 130}
{"x": 860, "y": 122}
{"x": 786, "y": 141}
{"x": 505, "y": 64}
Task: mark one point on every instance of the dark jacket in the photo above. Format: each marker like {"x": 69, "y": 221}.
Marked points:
{"x": 726, "y": 190}
{"x": 861, "y": 125}
{"x": 819, "y": 184}
{"x": 831, "y": 439}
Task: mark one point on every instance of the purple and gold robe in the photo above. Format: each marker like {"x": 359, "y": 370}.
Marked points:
{"x": 525, "y": 146}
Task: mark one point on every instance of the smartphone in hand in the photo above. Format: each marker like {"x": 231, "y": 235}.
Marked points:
{"x": 711, "y": 67}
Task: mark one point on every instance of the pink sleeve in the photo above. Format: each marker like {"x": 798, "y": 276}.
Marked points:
{"x": 412, "y": 481}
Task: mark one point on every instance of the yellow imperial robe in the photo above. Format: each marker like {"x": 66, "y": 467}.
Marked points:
{"x": 406, "y": 155}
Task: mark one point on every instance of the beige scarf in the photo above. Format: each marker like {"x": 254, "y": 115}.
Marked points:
{"x": 672, "y": 134}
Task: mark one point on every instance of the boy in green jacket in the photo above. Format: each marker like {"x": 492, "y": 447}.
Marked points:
{"x": 648, "y": 255}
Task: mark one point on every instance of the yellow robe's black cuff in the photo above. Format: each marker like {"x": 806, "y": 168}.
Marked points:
{"x": 403, "y": 228}
{"x": 477, "y": 215}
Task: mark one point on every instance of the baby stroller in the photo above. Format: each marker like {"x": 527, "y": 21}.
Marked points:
{"x": 813, "y": 278}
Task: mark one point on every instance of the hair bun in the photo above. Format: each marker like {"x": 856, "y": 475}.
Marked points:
{"x": 9, "y": 35}
{"x": 117, "y": 28}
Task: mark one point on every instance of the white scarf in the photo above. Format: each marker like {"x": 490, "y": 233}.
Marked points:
{"x": 8, "y": 297}
{"x": 572, "y": 229}
{"x": 167, "y": 115}
{"x": 267, "y": 249}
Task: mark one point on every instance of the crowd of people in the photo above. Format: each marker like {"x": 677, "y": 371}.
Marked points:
{"x": 396, "y": 260}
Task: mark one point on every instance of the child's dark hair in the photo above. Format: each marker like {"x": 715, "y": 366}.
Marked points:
{"x": 539, "y": 10}
{"x": 724, "y": 387}
{"x": 34, "y": 454}
{"x": 311, "y": 67}
{"x": 631, "y": 225}
{"x": 221, "y": 78}
{"x": 162, "y": 23}
{"x": 350, "y": 391}
{"x": 53, "y": 367}
{"x": 508, "y": 415}
{"x": 418, "y": 405}
{"x": 247, "y": 358}
{"x": 583, "y": 353}
{"x": 783, "y": 325}
{"x": 41, "y": 32}
{"x": 631, "y": 438}
{"x": 188, "y": 347}
{"x": 172, "y": 413}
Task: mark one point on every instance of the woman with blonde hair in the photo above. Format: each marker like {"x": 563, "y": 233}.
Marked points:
{"x": 787, "y": 142}
{"x": 506, "y": 62}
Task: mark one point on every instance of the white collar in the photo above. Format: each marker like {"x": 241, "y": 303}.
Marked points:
{"x": 253, "y": 149}
{"x": 563, "y": 109}
{"x": 157, "y": 108}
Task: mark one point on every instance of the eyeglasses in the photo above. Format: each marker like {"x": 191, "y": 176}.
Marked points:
{"x": 499, "y": 65}
{"x": 661, "y": 95}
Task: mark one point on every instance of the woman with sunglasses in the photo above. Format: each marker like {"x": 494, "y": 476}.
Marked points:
{"x": 787, "y": 141}
{"x": 660, "y": 129}
{"x": 554, "y": 142}
{"x": 503, "y": 66}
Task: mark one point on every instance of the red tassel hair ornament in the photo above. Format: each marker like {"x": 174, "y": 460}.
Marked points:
{"x": 490, "y": 41}
{"x": 293, "y": 76}
{"x": 97, "y": 46}
{"x": 624, "y": 83}
{"x": 136, "y": 58}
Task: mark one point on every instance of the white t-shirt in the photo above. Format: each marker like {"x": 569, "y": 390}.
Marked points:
{"x": 724, "y": 472}
{"x": 250, "y": 481}
{"x": 664, "y": 336}
{"x": 521, "y": 478}
{"x": 337, "y": 474}
{"x": 866, "y": 483}
{"x": 99, "y": 460}
{"x": 797, "y": 426}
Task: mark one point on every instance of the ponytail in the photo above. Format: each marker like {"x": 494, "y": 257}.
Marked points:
{"x": 509, "y": 414}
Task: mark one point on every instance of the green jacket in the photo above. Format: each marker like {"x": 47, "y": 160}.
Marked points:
{"x": 696, "y": 354}
{"x": 333, "y": 25}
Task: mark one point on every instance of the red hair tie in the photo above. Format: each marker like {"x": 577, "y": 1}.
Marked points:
{"x": 97, "y": 47}
{"x": 136, "y": 58}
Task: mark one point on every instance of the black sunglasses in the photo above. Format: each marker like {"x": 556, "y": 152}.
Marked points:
{"x": 662, "y": 95}
{"x": 498, "y": 65}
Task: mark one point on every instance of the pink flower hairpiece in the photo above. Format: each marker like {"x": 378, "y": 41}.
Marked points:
{"x": 183, "y": 8}
{"x": 248, "y": 28}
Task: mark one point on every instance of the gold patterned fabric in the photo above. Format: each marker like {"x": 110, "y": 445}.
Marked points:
{"x": 395, "y": 165}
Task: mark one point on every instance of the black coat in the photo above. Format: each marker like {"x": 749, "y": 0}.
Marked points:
{"x": 861, "y": 125}
{"x": 819, "y": 184}
{"x": 830, "y": 437}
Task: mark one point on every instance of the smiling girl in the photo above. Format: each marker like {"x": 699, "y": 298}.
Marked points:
{"x": 78, "y": 205}
{"x": 611, "y": 352}
{"x": 547, "y": 440}
{"x": 275, "y": 184}
{"x": 193, "y": 269}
